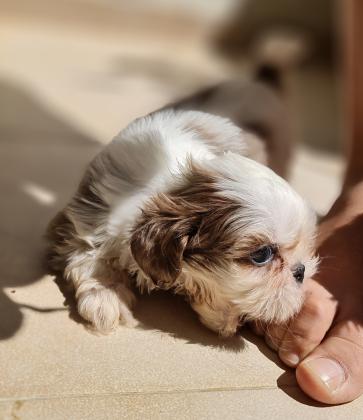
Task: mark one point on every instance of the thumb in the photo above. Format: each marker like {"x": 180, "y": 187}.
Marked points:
{"x": 333, "y": 372}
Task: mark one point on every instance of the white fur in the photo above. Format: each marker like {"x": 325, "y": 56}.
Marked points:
{"x": 151, "y": 156}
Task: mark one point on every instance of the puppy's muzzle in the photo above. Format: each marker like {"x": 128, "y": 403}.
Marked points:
{"x": 298, "y": 272}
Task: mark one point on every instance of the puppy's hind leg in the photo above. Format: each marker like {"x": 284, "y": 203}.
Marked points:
{"x": 101, "y": 289}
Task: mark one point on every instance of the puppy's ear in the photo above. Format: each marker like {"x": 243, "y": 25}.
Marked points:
{"x": 159, "y": 240}
{"x": 194, "y": 223}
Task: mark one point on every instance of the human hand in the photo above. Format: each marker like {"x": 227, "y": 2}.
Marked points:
{"x": 325, "y": 340}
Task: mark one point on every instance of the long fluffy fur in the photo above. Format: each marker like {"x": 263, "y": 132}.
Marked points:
{"x": 173, "y": 203}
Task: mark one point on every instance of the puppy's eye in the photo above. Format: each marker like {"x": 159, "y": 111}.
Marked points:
{"x": 263, "y": 255}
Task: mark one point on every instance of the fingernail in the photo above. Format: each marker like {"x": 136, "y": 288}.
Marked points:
{"x": 291, "y": 359}
{"x": 329, "y": 371}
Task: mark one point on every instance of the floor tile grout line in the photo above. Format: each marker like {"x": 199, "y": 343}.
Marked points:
{"x": 145, "y": 393}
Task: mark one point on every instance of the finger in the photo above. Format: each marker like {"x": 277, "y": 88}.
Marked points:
{"x": 258, "y": 328}
{"x": 333, "y": 372}
{"x": 309, "y": 327}
{"x": 274, "y": 335}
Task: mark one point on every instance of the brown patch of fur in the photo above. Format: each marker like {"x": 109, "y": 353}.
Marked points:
{"x": 195, "y": 223}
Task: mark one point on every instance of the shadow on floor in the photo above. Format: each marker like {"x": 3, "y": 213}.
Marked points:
{"x": 168, "y": 313}
{"x": 295, "y": 392}
{"x": 287, "y": 380}
{"x": 41, "y": 161}
{"x": 172, "y": 315}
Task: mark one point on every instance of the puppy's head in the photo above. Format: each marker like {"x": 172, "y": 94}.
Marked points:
{"x": 234, "y": 237}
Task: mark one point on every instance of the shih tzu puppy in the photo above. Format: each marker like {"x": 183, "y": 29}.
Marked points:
{"x": 175, "y": 202}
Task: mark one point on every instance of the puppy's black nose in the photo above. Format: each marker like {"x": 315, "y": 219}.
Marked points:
{"x": 298, "y": 272}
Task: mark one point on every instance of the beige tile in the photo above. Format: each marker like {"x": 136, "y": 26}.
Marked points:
{"x": 52, "y": 355}
{"x": 5, "y": 410}
{"x": 96, "y": 82}
{"x": 317, "y": 177}
{"x": 246, "y": 404}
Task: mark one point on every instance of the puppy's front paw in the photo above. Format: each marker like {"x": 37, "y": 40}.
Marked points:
{"x": 104, "y": 309}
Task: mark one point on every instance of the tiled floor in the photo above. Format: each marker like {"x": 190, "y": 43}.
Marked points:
{"x": 62, "y": 93}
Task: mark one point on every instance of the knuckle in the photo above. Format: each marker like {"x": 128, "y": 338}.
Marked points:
{"x": 273, "y": 341}
{"x": 299, "y": 344}
{"x": 313, "y": 309}
{"x": 306, "y": 331}
{"x": 303, "y": 338}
